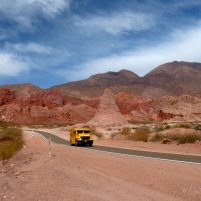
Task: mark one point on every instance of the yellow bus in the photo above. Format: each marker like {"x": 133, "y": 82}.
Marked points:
{"x": 81, "y": 136}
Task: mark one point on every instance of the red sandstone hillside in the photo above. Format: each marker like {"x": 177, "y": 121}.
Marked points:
{"x": 175, "y": 78}
{"x": 44, "y": 106}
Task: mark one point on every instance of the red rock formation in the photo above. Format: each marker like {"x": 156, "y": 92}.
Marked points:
{"x": 6, "y": 96}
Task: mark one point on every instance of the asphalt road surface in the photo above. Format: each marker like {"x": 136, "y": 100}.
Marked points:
{"x": 146, "y": 154}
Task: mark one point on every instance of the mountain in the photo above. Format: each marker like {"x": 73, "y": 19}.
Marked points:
{"x": 21, "y": 87}
{"x": 174, "y": 79}
{"x": 95, "y": 85}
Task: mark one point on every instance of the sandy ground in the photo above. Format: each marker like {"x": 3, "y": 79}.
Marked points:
{"x": 191, "y": 149}
{"x": 76, "y": 174}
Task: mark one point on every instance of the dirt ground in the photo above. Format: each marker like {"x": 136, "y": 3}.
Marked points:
{"x": 76, "y": 174}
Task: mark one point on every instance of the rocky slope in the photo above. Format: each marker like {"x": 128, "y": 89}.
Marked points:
{"x": 44, "y": 106}
{"x": 175, "y": 78}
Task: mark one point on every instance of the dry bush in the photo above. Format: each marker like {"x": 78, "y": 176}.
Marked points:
{"x": 183, "y": 125}
{"x": 180, "y": 139}
{"x": 161, "y": 127}
{"x": 125, "y": 131}
{"x": 183, "y": 139}
{"x": 157, "y": 137}
{"x": 114, "y": 134}
{"x": 197, "y": 127}
{"x": 141, "y": 134}
{"x": 11, "y": 141}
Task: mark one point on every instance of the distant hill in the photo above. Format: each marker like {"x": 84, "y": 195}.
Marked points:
{"x": 172, "y": 79}
{"x": 21, "y": 87}
{"x": 175, "y": 78}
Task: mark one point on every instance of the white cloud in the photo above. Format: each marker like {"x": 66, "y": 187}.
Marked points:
{"x": 30, "y": 47}
{"x": 116, "y": 23}
{"x": 12, "y": 65}
{"x": 25, "y": 12}
{"x": 181, "y": 46}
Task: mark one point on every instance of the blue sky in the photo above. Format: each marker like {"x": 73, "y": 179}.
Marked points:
{"x": 48, "y": 42}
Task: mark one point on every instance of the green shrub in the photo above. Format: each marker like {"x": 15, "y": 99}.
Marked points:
{"x": 141, "y": 134}
{"x": 125, "y": 131}
{"x": 11, "y": 141}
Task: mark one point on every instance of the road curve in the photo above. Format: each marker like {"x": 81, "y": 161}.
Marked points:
{"x": 146, "y": 154}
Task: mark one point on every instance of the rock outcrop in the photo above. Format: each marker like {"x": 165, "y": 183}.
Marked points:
{"x": 108, "y": 113}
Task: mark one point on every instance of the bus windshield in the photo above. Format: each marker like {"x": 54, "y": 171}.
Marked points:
{"x": 83, "y": 131}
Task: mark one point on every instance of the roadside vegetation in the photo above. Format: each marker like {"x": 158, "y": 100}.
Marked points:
{"x": 140, "y": 134}
{"x": 180, "y": 139}
{"x": 11, "y": 141}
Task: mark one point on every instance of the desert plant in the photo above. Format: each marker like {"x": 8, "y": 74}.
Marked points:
{"x": 190, "y": 138}
{"x": 157, "y": 137}
{"x": 183, "y": 125}
{"x": 114, "y": 134}
{"x": 197, "y": 127}
{"x": 141, "y": 134}
{"x": 125, "y": 131}
{"x": 11, "y": 141}
{"x": 183, "y": 139}
{"x": 159, "y": 128}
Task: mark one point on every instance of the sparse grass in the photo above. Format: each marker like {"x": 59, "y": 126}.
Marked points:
{"x": 183, "y": 139}
{"x": 10, "y": 142}
{"x": 159, "y": 128}
{"x": 197, "y": 127}
{"x": 182, "y": 125}
{"x": 114, "y": 134}
{"x": 125, "y": 131}
{"x": 180, "y": 139}
{"x": 157, "y": 137}
{"x": 141, "y": 134}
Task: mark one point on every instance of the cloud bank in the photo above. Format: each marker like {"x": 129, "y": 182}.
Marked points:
{"x": 181, "y": 45}
{"x": 115, "y": 23}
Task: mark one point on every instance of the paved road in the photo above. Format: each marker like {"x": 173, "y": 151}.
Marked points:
{"x": 145, "y": 154}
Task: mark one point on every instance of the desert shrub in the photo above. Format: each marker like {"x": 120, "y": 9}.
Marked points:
{"x": 114, "y": 134}
{"x": 197, "y": 127}
{"x": 190, "y": 138}
{"x": 157, "y": 137}
{"x": 11, "y": 141}
{"x": 183, "y": 139}
{"x": 109, "y": 129}
{"x": 159, "y": 128}
{"x": 182, "y": 126}
{"x": 125, "y": 131}
{"x": 167, "y": 127}
{"x": 141, "y": 134}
